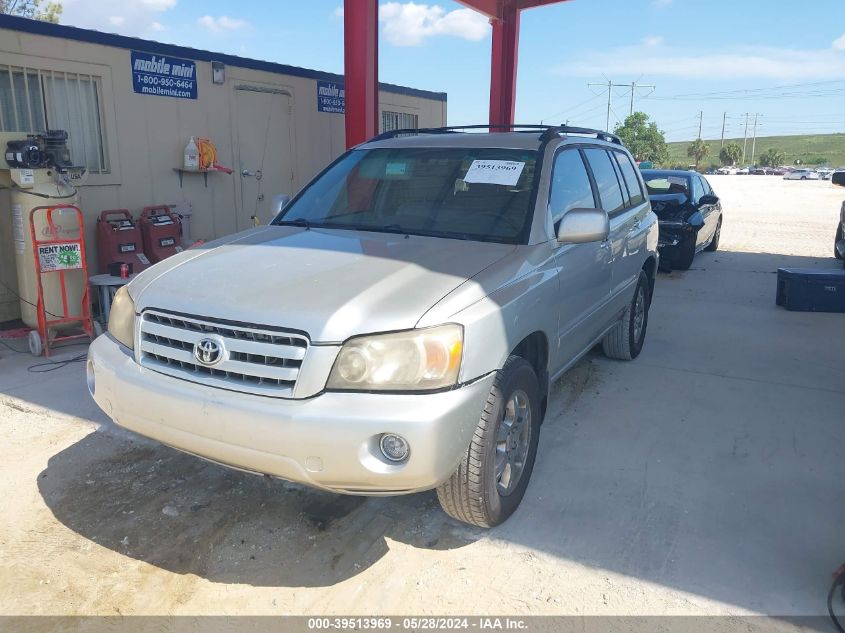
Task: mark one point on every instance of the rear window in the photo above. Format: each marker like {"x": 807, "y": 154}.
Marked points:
{"x": 479, "y": 194}
{"x": 657, "y": 185}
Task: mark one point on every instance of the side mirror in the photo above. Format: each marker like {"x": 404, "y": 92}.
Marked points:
{"x": 708, "y": 199}
{"x": 580, "y": 226}
{"x": 278, "y": 203}
{"x": 838, "y": 178}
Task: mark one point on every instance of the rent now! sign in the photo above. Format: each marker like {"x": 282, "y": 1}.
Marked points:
{"x": 164, "y": 76}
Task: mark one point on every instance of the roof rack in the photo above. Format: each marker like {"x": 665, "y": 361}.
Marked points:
{"x": 549, "y": 131}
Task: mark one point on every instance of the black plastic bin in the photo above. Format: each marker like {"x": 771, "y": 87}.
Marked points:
{"x": 811, "y": 290}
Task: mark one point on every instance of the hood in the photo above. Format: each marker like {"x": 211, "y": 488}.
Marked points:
{"x": 668, "y": 205}
{"x": 331, "y": 284}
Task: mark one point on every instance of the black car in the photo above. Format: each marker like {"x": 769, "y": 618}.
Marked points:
{"x": 690, "y": 214}
{"x": 838, "y": 179}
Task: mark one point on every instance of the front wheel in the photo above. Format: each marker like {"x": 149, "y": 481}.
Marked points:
{"x": 625, "y": 340}
{"x": 493, "y": 474}
{"x": 840, "y": 235}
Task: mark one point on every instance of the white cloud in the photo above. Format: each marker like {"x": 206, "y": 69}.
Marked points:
{"x": 839, "y": 43}
{"x": 127, "y": 18}
{"x": 758, "y": 62}
{"x": 652, "y": 40}
{"x": 223, "y": 23}
{"x": 157, "y": 27}
{"x": 409, "y": 24}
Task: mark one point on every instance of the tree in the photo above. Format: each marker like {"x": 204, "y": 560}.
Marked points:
{"x": 642, "y": 138}
{"x": 730, "y": 154}
{"x": 698, "y": 150}
{"x": 32, "y": 9}
{"x": 772, "y": 157}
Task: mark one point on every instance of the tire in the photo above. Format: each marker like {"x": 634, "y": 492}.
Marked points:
{"x": 839, "y": 236}
{"x": 714, "y": 242}
{"x": 685, "y": 254}
{"x": 477, "y": 493}
{"x": 625, "y": 340}
{"x": 35, "y": 346}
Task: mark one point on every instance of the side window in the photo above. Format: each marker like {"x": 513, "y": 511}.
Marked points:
{"x": 707, "y": 189}
{"x": 622, "y": 186}
{"x": 571, "y": 187}
{"x": 697, "y": 189}
{"x": 629, "y": 172}
{"x": 605, "y": 175}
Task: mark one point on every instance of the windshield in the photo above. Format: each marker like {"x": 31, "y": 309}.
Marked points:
{"x": 481, "y": 194}
{"x": 658, "y": 185}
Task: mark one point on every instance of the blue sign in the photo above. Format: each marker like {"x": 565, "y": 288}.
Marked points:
{"x": 331, "y": 97}
{"x": 164, "y": 76}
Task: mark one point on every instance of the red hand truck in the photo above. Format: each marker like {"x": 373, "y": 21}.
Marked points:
{"x": 58, "y": 256}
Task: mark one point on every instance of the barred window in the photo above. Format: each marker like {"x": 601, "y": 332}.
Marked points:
{"x": 33, "y": 101}
{"x": 398, "y": 121}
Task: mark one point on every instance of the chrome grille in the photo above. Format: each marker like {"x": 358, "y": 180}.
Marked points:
{"x": 254, "y": 359}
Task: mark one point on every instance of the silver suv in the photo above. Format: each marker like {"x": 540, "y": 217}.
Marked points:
{"x": 397, "y": 326}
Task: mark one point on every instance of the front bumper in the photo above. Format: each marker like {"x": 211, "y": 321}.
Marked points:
{"x": 673, "y": 233}
{"x": 329, "y": 441}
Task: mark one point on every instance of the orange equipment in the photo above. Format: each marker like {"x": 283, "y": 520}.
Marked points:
{"x": 161, "y": 229}
{"x": 59, "y": 256}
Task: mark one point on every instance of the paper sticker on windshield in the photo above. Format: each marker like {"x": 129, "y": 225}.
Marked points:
{"x": 494, "y": 172}
{"x": 395, "y": 169}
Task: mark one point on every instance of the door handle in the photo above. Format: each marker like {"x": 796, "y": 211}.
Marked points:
{"x": 246, "y": 172}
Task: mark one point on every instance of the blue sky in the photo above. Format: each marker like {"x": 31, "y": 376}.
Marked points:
{"x": 783, "y": 60}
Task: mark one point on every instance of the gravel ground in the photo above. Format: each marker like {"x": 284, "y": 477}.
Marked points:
{"x": 703, "y": 478}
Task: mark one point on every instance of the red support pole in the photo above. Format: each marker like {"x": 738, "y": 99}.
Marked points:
{"x": 360, "y": 44}
{"x": 503, "y": 65}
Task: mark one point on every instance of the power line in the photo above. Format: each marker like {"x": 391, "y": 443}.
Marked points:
{"x": 610, "y": 86}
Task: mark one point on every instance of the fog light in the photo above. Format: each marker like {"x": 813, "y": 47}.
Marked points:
{"x": 89, "y": 375}
{"x": 394, "y": 447}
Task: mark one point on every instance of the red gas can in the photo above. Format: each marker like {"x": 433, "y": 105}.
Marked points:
{"x": 119, "y": 240}
{"x": 162, "y": 232}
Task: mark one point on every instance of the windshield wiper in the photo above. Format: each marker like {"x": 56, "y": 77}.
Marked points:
{"x": 297, "y": 222}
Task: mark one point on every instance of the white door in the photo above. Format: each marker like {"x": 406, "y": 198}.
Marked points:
{"x": 264, "y": 151}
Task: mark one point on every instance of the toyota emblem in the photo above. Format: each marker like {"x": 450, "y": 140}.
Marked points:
{"x": 208, "y": 351}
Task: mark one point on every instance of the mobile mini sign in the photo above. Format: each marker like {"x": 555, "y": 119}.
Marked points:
{"x": 164, "y": 76}
{"x": 331, "y": 97}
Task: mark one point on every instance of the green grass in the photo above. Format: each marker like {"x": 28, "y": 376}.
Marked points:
{"x": 804, "y": 148}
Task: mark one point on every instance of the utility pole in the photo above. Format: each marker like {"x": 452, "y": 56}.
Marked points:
{"x": 754, "y": 141}
{"x": 745, "y": 138}
{"x": 700, "y": 122}
{"x": 634, "y": 86}
{"x": 609, "y": 99}
{"x": 722, "y": 142}
{"x": 610, "y": 86}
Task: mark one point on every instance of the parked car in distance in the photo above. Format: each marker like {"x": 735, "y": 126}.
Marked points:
{"x": 825, "y": 173}
{"x": 743, "y": 171}
{"x": 689, "y": 214}
{"x": 726, "y": 171}
{"x": 802, "y": 174}
{"x": 398, "y": 325}
{"x": 758, "y": 171}
{"x": 779, "y": 171}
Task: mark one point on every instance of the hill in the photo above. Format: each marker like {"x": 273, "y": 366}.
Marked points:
{"x": 810, "y": 149}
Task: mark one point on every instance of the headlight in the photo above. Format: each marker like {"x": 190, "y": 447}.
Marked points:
{"x": 122, "y": 318}
{"x": 411, "y": 360}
